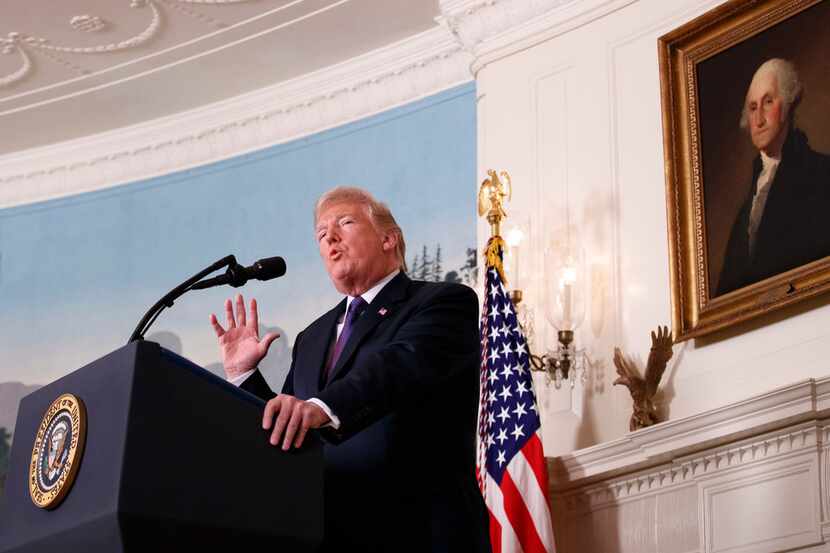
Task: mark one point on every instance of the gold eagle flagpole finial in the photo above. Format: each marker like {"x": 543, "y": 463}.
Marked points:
{"x": 491, "y": 198}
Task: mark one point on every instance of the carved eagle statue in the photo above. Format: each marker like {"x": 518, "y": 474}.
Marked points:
{"x": 642, "y": 389}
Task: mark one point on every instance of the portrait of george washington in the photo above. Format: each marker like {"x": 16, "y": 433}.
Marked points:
{"x": 765, "y": 140}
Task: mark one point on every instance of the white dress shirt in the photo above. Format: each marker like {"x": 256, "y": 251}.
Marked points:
{"x": 759, "y": 201}
{"x": 367, "y": 296}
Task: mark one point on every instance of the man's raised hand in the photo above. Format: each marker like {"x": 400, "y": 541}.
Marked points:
{"x": 240, "y": 344}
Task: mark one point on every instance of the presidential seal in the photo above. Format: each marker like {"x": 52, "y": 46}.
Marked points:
{"x": 57, "y": 452}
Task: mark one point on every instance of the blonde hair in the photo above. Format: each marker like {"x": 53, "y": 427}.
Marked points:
{"x": 379, "y": 213}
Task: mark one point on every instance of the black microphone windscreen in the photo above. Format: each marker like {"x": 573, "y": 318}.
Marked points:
{"x": 268, "y": 268}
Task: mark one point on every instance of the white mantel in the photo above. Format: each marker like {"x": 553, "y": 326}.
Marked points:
{"x": 750, "y": 476}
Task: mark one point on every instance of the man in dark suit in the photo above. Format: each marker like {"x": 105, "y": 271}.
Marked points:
{"x": 783, "y": 223}
{"x": 390, "y": 377}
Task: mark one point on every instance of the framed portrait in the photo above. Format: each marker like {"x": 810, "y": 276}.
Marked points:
{"x": 746, "y": 122}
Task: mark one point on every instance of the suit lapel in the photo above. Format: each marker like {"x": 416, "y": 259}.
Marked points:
{"x": 382, "y": 307}
{"x": 779, "y": 208}
{"x": 321, "y": 334}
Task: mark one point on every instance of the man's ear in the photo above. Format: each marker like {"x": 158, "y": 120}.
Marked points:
{"x": 390, "y": 241}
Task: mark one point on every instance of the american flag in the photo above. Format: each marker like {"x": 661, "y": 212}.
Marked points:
{"x": 511, "y": 465}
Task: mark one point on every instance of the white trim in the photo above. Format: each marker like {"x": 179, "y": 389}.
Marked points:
{"x": 494, "y": 29}
{"x": 374, "y": 82}
{"x": 785, "y": 443}
{"x": 672, "y": 440}
{"x": 472, "y": 34}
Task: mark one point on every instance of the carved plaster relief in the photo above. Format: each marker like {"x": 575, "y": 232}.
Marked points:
{"x": 16, "y": 42}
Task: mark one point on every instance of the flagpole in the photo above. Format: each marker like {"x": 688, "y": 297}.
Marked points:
{"x": 510, "y": 466}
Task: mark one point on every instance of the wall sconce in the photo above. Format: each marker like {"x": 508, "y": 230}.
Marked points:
{"x": 565, "y": 289}
{"x": 565, "y": 286}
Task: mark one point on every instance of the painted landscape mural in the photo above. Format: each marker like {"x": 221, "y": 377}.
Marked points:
{"x": 76, "y": 274}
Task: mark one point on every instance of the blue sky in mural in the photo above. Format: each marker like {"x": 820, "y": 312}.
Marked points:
{"x": 76, "y": 274}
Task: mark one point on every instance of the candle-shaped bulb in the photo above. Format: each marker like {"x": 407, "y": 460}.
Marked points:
{"x": 568, "y": 282}
{"x": 514, "y": 239}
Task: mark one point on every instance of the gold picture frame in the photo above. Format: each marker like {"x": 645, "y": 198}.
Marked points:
{"x": 712, "y": 164}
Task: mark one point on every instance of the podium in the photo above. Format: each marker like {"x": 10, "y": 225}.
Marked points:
{"x": 174, "y": 457}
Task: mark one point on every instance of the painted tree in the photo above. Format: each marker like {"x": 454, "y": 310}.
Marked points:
{"x": 413, "y": 268}
{"x": 437, "y": 270}
{"x": 469, "y": 271}
{"x": 5, "y": 449}
{"x": 425, "y": 271}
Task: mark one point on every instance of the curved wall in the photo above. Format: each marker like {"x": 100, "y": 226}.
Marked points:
{"x": 77, "y": 273}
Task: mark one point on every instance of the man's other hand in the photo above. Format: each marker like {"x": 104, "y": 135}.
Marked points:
{"x": 241, "y": 347}
{"x": 293, "y": 418}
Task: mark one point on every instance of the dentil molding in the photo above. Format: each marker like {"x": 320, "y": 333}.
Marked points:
{"x": 744, "y": 431}
{"x": 689, "y": 468}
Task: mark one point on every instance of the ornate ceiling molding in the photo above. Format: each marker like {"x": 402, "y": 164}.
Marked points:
{"x": 88, "y": 23}
{"x": 391, "y": 76}
{"x": 493, "y": 29}
{"x": 23, "y": 45}
{"x": 92, "y": 65}
{"x": 472, "y": 34}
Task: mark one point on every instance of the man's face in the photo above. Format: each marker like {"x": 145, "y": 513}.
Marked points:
{"x": 766, "y": 114}
{"x": 353, "y": 250}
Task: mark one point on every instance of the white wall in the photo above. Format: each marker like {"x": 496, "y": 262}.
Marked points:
{"x": 569, "y": 104}
{"x": 576, "y": 120}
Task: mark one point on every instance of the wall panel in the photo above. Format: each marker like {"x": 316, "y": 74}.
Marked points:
{"x": 586, "y": 104}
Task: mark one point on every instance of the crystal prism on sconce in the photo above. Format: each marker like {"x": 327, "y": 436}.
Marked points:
{"x": 566, "y": 362}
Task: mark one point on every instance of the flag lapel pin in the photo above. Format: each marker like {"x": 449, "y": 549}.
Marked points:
{"x": 382, "y": 311}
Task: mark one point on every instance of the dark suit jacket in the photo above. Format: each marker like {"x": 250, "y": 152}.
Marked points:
{"x": 400, "y": 470}
{"x": 795, "y": 225}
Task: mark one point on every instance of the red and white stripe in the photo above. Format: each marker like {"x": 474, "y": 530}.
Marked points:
{"x": 519, "y": 513}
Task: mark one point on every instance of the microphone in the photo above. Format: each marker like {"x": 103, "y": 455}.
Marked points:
{"x": 236, "y": 275}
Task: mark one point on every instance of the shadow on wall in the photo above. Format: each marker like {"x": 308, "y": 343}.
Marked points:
{"x": 276, "y": 364}
{"x": 168, "y": 340}
{"x": 585, "y": 431}
{"x": 667, "y": 390}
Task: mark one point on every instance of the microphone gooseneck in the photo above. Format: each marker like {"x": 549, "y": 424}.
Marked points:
{"x": 236, "y": 275}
